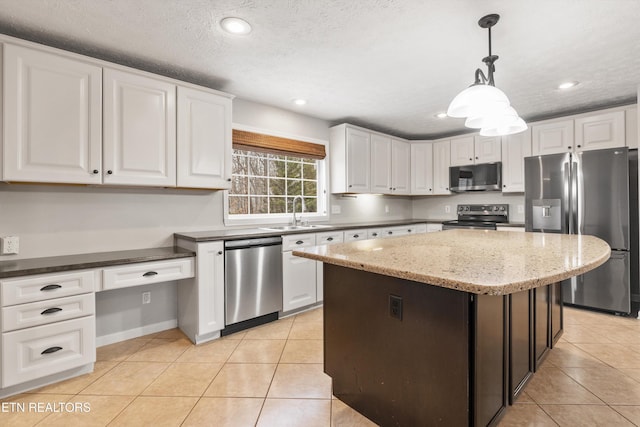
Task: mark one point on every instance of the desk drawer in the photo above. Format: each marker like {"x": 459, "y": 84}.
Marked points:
{"x": 46, "y": 286}
{"x": 44, "y": 350}
{"x": 146, "y": 273}
{"x": 49, "y": 311}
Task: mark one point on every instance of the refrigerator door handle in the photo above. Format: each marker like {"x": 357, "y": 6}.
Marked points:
{"x": 577, "y": 197}
{"x": 566, "y": 199}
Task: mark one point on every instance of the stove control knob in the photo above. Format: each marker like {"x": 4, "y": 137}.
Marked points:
{"x": 460, "y": 208}
{"x": 502, "y": 208}
{"x": 466, "y": 208}
{"x": 495, "y": 208}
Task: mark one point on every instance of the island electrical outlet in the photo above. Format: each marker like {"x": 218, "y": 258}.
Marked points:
{"x": 395, "y": 307}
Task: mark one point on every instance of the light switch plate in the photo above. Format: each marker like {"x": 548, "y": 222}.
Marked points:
{"x": 335, "y": 209}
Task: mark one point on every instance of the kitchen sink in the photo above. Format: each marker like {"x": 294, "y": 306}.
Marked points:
{"x": 295, "y": 227}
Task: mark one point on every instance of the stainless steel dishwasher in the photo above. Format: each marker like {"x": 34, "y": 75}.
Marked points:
{"x": 253, "y": 280}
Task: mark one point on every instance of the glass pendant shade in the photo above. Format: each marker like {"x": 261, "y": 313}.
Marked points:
{"x": 496, "y": 118}
{"x": 477, "y": 100}
{"x": 518, "y": 126}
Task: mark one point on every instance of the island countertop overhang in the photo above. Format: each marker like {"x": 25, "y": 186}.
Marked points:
{"x": 484, "y": 262}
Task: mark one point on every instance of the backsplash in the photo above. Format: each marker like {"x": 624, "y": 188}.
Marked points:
{"x": 434, "y": 207}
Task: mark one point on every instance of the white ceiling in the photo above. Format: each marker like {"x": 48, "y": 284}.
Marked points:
{"x": 388, "y": 65}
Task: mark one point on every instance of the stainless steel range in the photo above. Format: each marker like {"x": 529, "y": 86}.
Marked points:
{"x": 479, "y": 217}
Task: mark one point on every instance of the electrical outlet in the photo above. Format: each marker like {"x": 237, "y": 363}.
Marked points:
{"x": 146, "y": 297}
{"x": 386, "y": 208}
{"x": 335, "y": 209}
{"x": 395, "y": 307}
{"x": 447, "y": 209}
{"x": 520, "y": 208}
{"x": 10, "y": 245}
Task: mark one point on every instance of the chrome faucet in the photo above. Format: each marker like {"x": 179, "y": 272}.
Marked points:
{"x": 293, "y": 208}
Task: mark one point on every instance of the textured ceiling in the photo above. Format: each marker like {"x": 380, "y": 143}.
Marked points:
{"x": 386, "y": 65}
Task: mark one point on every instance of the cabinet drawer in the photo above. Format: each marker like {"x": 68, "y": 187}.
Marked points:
{"x": 351, "y": 235}
{"x": 146, "y": 273}
{"x": 49, "y": 311}
{"x": 46, "y": 286}
{"x": 329, "y": 238}
{"x": 44, "y": 350}
{"x": 376, "y": 233}
{"x": 297, "y": 241}
{"x": 409, "y": 229}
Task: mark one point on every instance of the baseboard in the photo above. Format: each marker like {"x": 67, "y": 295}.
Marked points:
{"x": 136, "y": 332}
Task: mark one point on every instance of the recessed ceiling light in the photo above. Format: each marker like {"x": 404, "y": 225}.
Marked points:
{"x": 300, "y": 101}
{"x": 567, "y": 85}
{"x": 441, "y": 115}
{"x": 235, "y": 26}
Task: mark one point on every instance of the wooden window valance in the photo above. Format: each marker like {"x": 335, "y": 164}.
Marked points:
{"x": 243, "y": 140}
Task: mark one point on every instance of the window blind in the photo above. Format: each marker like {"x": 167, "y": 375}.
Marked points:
{"x": 243, "y": 140}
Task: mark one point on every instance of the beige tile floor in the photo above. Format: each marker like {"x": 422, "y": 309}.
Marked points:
{"x": 272, "y": 376}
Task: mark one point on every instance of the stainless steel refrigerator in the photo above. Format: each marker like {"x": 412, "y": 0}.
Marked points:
{"x": 594, "y": 192}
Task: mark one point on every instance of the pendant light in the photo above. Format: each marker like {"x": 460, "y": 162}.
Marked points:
{"x": 484, "y": 106}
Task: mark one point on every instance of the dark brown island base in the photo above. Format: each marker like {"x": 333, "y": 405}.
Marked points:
{"x": 444, "y": 328}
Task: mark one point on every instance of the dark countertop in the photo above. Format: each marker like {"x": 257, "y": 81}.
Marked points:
{"x": 28, "y": 266}
{"x": 244, "y": 233}
{"x": 511, "y": 224}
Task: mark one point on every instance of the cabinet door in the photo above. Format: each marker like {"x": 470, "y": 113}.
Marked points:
{"x": 400, "y": 167}
{"x": 52, "y": 118}
{"x": 600, "y": 131}
{"x": 210, "y": 287}
{"x": 299, "y": 281}
{"x": 441, "y": 163}
{"x": 552, "y": 138}
{"x": 487, "y": 149}
{"x": 421, "y": 168}
{"x": 381, "y": 164}
{"x": 204, "y": 140}
{"x": 514, "y": 149}
{"x": 139, "y": 130}
{"x": 462, "y": 151}
{"x": 358, "y": 161}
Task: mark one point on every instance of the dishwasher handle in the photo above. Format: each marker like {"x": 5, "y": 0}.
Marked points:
{"x": 249, "y": 243}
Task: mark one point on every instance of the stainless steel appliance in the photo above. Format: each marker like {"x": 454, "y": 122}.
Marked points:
{"x": 589, "y": 193}
{"x": 482, "y": 177}
{"x": 482, "y": 217}
{"x": 253, "y": 279}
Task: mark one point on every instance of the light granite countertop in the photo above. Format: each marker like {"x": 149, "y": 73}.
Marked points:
{"x": 476, "y": 261}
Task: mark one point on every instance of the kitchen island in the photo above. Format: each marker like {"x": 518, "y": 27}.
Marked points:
{"x": 444, "y": 328}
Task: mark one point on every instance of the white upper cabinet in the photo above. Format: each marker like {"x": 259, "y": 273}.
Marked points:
{"x": 400, "y": 167}
{"x": 204, "y": 139}
{"x": 380, "y": 164}
{"x": 421, "y": 168}
{"x": 469, "y": 150}
{"x": 552, "y": 137}
{"x": 441, "y": 163}
{"x": 52, "y": 118}
{"x": 600, "y": 131}
{"x": 514, "y": 149}
{"x": 462, "y": 151}
{"x": 139, "y": 130}
{"x": 350, "y": 158}
{"x": 487, "y": 149}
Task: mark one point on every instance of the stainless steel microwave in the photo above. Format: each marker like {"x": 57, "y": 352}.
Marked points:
{"x": 483, "y": 177}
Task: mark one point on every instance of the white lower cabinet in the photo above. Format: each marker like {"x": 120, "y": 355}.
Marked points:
{"x": 48, "y": 325}
{"x": 44, "y": 350}
{"x": 433, "y": 228}
{"x": 201, "y": 297}
{"x": 298, "y": 274}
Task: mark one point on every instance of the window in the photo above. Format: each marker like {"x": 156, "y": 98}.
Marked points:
{"x": 269, "y": 172}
